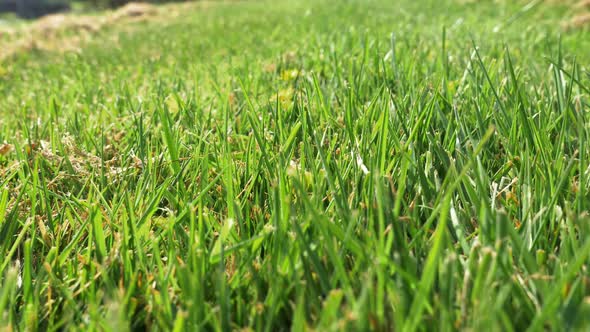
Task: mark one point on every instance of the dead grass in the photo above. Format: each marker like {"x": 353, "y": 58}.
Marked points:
{"x": 583, "y": 4}
{"x": 134, "y": 10}
{"x": 580, "y": 21}
{"x": 68, "y": 32}
{"x": 580, "y": 16}
{"x": 5, "y": 148}
{"x": 52, "y": 24}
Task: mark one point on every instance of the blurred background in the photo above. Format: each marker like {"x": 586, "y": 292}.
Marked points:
{"x": 37, "y": 8}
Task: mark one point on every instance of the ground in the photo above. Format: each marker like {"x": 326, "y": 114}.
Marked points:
{"x": 298, "y": 165}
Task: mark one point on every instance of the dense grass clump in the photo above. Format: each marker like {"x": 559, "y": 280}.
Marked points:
{"x": 294, "y": 165}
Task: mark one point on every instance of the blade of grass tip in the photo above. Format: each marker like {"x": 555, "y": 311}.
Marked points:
{"x": 393, "y": 57}
{"x": 207, "y": 187}
{"x": 98, "y": 233}
{"x": 517, "y": 15}
{"x": 486, "y": 74}
{"x": 341, "y": 204}
{"x": 170, "y": 138}
{"x": 291, "y": 138}
{"x": 256, "y": 130}
{"x": 445, "y": 57}
{"x": 406, "y": 161}
{"x": 73, "y": 242}
{"x": 583, "y": 162}
{"x": 320, "y": 97}
{"x": 447, "y": 185}
{"x": 529, "y": 127}
{"x": 382, "y": 147}
{"x": 228, "y": 182}
{"x": 570, "y": 76}
{"x": 486, "y": 137}
{"x": 3, "y": 206}
{"x": 419, "y": 123}
{"x": 220, "y": 243}
{"x": 8, "y": 229}
{"x": 28, "y": 273}
{"x": 349, "y": 243}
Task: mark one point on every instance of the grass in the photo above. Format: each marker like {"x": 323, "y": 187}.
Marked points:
{"x": 327, "y": 165}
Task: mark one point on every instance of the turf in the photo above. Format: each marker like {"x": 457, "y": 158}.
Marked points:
{"x": 302, "y": 165}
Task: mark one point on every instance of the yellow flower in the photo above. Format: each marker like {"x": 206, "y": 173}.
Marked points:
{"x": 290, "y": 75}
{"x": 284, "y": 97}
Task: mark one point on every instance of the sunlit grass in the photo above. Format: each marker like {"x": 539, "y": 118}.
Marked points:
{"x": 355, "y": 165}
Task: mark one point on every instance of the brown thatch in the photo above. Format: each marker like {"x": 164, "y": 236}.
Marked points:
{"x": 581, "y": 20}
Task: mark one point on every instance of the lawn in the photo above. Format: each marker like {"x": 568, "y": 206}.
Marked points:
{"x": 300, "y": 165}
